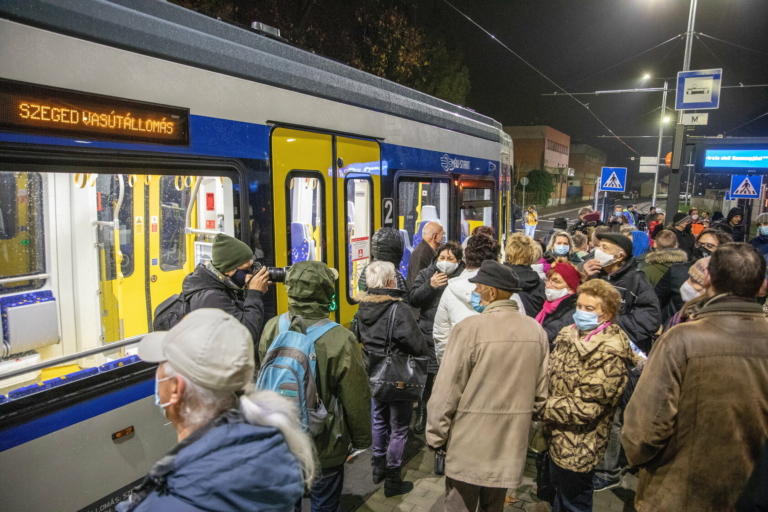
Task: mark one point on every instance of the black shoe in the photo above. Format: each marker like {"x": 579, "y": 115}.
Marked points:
{"x": 379, "y": 472}
{"x": 394, "y": 485}
{"x": 421, "y": 418}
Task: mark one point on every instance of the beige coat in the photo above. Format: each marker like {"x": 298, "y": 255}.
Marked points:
{"x": 699, "y": 415}
{"x": 492, "y": 379}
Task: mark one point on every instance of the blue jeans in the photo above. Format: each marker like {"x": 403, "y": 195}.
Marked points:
{"x": 530, "y": 229}
{"x": 573, "y": 490}
{"x": 390, "y": 430}
{"x": 325, "y": 495}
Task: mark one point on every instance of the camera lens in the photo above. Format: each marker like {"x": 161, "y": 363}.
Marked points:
{"x": 277, "y": 274}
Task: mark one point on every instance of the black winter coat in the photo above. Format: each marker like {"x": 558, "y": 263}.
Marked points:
{"x": 426, "y": 299}
{"x": 422, "y": 256}
{"x": 372, "y": 323}
{"x": 685, "y": 240}
{"x": 560, "y": 317}
{"x": 387, "y": 245}
{"x": 639, "y": 315}
{"x": 738, "y": 229}
{"x": 531, "y": 289}
{"x": 668, "y": 290}
{"x": 209, "y": 289}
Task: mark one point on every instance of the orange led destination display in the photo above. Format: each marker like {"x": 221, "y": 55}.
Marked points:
{"x": 49, "y": 111}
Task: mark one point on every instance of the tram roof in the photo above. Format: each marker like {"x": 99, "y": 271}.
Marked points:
{"x": 173, "y": 33}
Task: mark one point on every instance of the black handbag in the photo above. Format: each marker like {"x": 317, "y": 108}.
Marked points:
{"x": 394, "y": 376}
{"x": 440, "y": 461}
{"x": 544, "y": 489}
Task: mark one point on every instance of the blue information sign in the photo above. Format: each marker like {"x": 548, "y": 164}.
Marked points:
{"x": 745, "y": 186}
{"x": 698, "y": 90}
{"x": 613, "y": 179}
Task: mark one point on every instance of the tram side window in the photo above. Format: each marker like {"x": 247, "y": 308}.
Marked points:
{"x": 359, "y": 208}
{"x": 476, "y": 209}
{"x": 22, "y": 245}
{"x": 305, "y": 218}
{"x": 174, "y": 198}
{"x": 107, "y": 198}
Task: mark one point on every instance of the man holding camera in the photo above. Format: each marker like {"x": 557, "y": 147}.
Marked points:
{"x": 227, "y": 283}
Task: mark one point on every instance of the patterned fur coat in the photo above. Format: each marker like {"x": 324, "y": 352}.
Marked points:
{"x": 586, "y": 381}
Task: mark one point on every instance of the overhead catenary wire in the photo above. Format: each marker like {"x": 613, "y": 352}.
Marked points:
{"x": 732, "y": 44}
{"x": 510, "y": 50}
{"x": 748, "y": 122}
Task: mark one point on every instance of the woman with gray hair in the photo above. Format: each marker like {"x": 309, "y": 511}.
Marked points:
{"x": 237, "y": 449}
{"x": 390, "y": 418}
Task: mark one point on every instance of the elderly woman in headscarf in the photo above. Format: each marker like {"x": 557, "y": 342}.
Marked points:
{"x": 557, "y": 312}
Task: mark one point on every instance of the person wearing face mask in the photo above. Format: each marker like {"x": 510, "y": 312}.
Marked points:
{"x": 588, "y": 373}
{"x": 459, "y": 300}
{"x": 432, "y": 237}
{"x": 492, "y": 378}
{"x": 561, "y": 246}
{"x": 425, "y": 296}
{"x": 693, "y": 292}
{"x": 520, "y": 254}
{"x": 697, "y": 226}
{"x": 639, "y": 316}
{"x": 760, "y": 242}
{"x": 226, "y": 283}
{"x": 668, "y": 288}
{"x": 238, "y": 449}
{"x": 562, "y": 283}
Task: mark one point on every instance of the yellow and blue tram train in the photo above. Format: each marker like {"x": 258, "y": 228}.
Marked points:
{"x": 131, "y": 133}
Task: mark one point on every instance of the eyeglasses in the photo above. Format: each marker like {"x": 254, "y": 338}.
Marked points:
{"x": 709, "y": 247}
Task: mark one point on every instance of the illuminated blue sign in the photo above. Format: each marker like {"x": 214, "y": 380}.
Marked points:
{"x": 736, "y": 158}
{"x": 698, "y": 90}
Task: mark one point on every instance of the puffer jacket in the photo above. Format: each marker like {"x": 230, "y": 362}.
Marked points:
{"x": 668, "y": 290}
{"x": 456, "y": 305}
{"x": 586, "y": 382}
{"x": 386, "y": 245}
{"x": 372, "y": 323}
{"x": 699, "y": 415}
{"x": 426, "y": 299}
{"x": 209, "y": 288}
{"x": 658, "y": 262}
{"x": 341, "y": 377}
{"x": 228, "y": 464}
{"x": 685, "y": 239}
{"x": 531, "y": 292}
{"x": 639, "y": 316}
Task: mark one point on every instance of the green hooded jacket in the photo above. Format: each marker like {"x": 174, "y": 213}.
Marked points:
{"x": 341, "y": 377}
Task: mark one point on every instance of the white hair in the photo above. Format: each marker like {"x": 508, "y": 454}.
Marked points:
{"x": 200, "y": 405}
{"x": 379, "y": 273}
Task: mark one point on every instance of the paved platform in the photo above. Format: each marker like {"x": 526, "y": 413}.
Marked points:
{"x": 428, "y": 494}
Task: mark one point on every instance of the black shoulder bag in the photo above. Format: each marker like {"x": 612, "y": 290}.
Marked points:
{"x": 394, "y": 376}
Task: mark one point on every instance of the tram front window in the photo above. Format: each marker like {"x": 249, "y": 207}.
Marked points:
{"x": 100, "y": 280}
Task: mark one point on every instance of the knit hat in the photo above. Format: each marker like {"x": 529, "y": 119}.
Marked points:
{"x": 229, "y": 253}
{"x": 569, "y": 274}
{"x": 680, "y": 218}
{"x": 699, "y": 271}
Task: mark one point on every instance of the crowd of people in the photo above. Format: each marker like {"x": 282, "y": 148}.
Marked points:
{"x": 606, "y": 348}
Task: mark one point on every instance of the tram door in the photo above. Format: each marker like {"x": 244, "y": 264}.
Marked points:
{"x": 324, "y": 207}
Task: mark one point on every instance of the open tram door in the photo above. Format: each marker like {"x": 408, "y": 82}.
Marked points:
{"x": 324, "y": 187}
{"x": 476, "y": 204}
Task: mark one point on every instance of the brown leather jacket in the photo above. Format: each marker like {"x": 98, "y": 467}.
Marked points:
{"x": 699, "y": 414}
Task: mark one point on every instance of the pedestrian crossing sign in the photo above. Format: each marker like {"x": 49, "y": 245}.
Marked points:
{"x": 746, "y": 186}
{"x": 613, "y": 179}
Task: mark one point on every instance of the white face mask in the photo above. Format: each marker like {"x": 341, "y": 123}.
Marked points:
{"x": 157, "y": 395}
{"x": 553, "y": 295}
{"x": 604, "y": 258}
{"x": 688, "y": 292}
{"x": 447, "y": 267}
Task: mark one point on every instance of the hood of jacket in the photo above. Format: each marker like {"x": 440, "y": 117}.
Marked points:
{"x": 236, "y": 466}
{"x": 666, "y": 257}
{"x": 311, "y": 289}
{"x": 529, "y": 279}
{"x": 734, "y": 212}
{"x": 373, "y": 305}
{"x": 206, "y": 277}
{"x": 387, "y": 245}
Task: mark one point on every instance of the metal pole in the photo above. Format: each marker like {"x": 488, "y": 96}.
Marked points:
{"x": 522, "y": 210}
{"x": 688, "y": 47}
{"x": 661, "y": 137}
{"x": 597, "y": 192}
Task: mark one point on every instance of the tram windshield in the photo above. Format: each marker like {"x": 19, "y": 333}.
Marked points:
{"x": 85, "y": 260}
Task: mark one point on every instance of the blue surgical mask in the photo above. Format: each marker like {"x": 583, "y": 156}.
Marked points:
{"x": 157, "y": 395}
{"x": 475, "y": 299}
{"x": 763, "y": 230}
{"x": 239, "y": 277}
{"x": 585, "y": 320}
{"x": 562, "y": 250}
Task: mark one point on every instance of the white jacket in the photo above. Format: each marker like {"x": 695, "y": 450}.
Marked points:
{"x": 456, "y": 305}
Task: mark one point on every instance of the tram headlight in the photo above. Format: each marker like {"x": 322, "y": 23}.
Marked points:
{"x": 276, "y": 274}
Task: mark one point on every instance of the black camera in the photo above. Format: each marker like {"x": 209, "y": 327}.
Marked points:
{"x": 276, "y": 274}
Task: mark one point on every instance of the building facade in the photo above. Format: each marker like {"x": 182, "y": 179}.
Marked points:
{"x": 587, "y": 163}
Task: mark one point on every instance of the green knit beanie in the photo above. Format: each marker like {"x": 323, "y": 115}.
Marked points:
{"x": 229, "y": 253}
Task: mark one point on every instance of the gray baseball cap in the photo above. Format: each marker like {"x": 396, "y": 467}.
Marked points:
{"x": 209, "y": 347}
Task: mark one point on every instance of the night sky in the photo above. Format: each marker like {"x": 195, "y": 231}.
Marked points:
{"x": 570, "y": 40}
